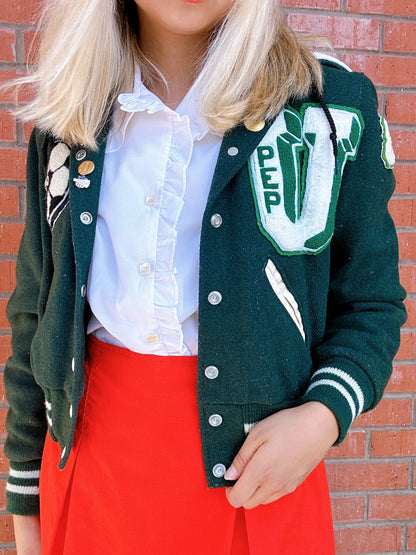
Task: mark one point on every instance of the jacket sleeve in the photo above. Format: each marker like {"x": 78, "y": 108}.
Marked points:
{"x": 365, "y": 311}
{"x": 26, "y": 420}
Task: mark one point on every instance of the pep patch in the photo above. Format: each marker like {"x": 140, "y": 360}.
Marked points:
{"x": 294, "y": 182}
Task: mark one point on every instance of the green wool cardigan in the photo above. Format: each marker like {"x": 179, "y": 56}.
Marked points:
{"x": 299, "y": 296}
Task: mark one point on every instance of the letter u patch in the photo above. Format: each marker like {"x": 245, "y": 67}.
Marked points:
{"x": 294, "y": 182}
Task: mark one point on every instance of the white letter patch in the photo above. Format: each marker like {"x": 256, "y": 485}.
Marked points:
{"x": 294, "y": 183}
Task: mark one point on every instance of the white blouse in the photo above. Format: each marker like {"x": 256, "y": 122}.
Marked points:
{"x": 143, "y": 278}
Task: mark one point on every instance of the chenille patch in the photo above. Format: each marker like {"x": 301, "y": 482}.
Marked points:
{"x": 57, "y": 182}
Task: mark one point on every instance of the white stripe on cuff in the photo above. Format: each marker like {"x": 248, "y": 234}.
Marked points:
{"x": 349, "y": 380}
{"x": 341, "y": 389}
{"x": 22, "y": 490}
{"x": 24, "y": 474}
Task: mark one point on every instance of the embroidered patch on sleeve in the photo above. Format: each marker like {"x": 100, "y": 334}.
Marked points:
{"x": 57, "y": 182}
{"x": 387, "y": 151}
{"x": 294, "y": 182}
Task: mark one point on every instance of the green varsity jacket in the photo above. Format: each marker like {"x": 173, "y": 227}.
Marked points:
{"x": 299, "y": 291}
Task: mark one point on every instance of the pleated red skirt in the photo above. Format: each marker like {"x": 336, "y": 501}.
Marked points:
{"x": 135, "y": 483}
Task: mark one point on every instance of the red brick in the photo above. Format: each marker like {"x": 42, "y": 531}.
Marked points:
{"x": 12, "y": 163}
{"x": 7, "y": 275}
{"x": 19, "y": 11}
{"x": 408, "y": 278}
{"x": 5, "y": 348}
{"x": 404, "y": 142}
{"x": 399, "y": 36}
{"x": 407, "y": 346}
{"x": 32, "y": 44}
{"x": 11, "y": 95}
{"x": 348, "y": 509}
{"x": 403, "y": 379}
{"x": 4, "y": 461}
{"x": 323, "y": 4}
{"x": 371, "y": 476}
{"x": 403, "y": 211}
{"x": 394, "y": 71}
{"x": 7, "y": 126}
{"x": 411, "y": 312}
{"x": 411, "y": 537}
{"x": 407, "y": 245}
{"x": 405, "y": 178}
{"x": 10, "y": 235}
{"x": 352, "y": 446}
{"x": 2, "y": 389}
{"x": 393, "y": 444}
{"x": 401, "y": 107}
{"x": 6, "y": 529}
{"x": 9, "y": 201}
{"x": 368, "y": 540}
{"x": 394, "y": 7}
{"x": 3, "y": 320}
{"x": 7, "y": 45}
{"x": 27, "y": 130}
{"x": 392, "y": 507}
{"x": 3, "y": 502}
{"x": 342, "y": 32}
{"x": 389, "y": 412}
{"x": 3, "y": 413}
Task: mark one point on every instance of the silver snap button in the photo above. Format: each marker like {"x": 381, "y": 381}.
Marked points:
{"x": 233, "y": 151}
{"x": 73, "y": 365}
{"x": 70, "y": 411}
{"x": 219, "y": 470}
{"x": 215, "y": 420}
{"x": 216, "y": 221}
{"x": 86, "y": 218}
{"x": 83, "y": 290}
{"x": 80, "y": 155}
{"x": 214, "y": 298}
{"x": 211, "y": 372}
{"x": 63, "y": 452}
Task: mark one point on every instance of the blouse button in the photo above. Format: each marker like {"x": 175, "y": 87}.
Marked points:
{"x": 216, "y": 221}
{"x": 219, "y": 470}
{"x": 215, "y": 420}
{"x": 144, "y": 268}
{"x": 152, "y": 338}
{"x": 150, "y": 200}
{"x": 86, "y": 218}
{"x": 232, "y": 151}
{"x": 214, "y": 298}
{"x": 80, "y": 155}
{"x": 211, "y": 372}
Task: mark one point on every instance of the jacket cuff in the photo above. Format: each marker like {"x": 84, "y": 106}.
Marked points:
{"x": 22, "y": 488}
{"x": 341, "y": 392}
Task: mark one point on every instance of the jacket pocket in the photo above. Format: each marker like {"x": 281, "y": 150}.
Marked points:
{"x": 284, "y": 295}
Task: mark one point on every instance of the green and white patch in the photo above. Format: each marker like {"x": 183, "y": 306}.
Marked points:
{"x": 294, "y": 182}
{"x": 387, "y": 151}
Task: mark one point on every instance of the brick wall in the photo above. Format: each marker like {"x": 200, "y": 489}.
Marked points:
{"x": 372, "y": 476}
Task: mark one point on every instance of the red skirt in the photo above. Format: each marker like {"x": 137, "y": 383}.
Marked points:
{"x": 135, "y": 480}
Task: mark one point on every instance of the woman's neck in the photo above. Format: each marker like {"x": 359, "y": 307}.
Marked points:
{"x": 177, "y": 57}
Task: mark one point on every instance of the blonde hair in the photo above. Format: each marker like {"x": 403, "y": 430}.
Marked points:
{"x": 253, "y": 66}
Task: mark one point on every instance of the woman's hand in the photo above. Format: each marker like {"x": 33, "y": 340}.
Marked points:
{"x": 279, "y": 453}
{"x": 27, "y": 534}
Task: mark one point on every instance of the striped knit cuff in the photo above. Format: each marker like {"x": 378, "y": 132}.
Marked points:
{"x": 23, "y": 488}
{"x": 340, "y": 392}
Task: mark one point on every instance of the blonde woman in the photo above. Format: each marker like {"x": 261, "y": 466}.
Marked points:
{"x": 207, "y": 290}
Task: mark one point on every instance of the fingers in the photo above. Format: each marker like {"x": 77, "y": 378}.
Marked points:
{"x": 243, "y": 457}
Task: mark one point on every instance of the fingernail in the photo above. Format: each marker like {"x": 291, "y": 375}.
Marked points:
{"x": 231, "y": 473}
